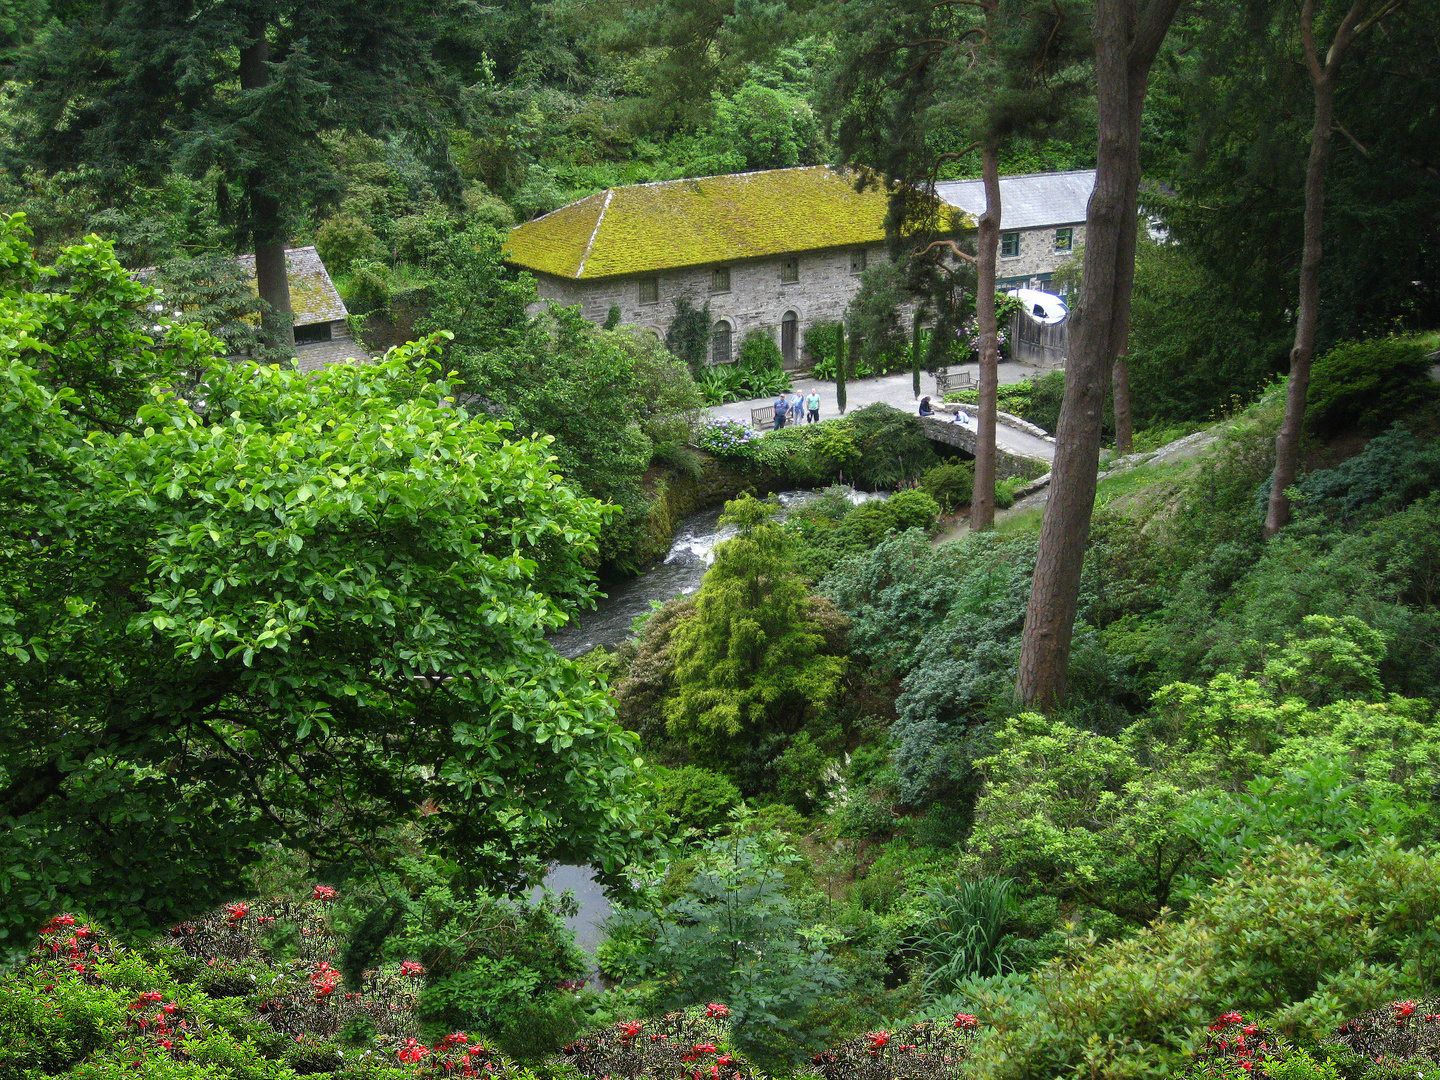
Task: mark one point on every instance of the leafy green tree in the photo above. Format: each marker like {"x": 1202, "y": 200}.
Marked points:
{"x": 245, "y": 607}
{"x": 759, "y": 656}
{"x": 769, "y": 127}
{"x": 609, "y": 398}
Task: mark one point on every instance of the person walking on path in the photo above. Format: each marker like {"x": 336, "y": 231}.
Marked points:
{"x": 782, "y": 410}
{"x": 812, "y": 406}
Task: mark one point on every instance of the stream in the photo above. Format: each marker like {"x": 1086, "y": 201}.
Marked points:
{"x": 678, "y": 574}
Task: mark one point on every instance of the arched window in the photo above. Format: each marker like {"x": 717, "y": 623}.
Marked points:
{"x": 720, "y": 343}
{"x": 789, "y": 336}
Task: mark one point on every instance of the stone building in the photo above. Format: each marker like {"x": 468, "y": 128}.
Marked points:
{"x": 1042, "y": 222}
{"x": 322, "y": 335}
{"x": 777, "y": 250}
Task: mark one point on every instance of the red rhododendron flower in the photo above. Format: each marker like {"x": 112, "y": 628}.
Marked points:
{"x": 715, "y": 1009}
{"x": 237, "y": 911}
{"x": 412, "y": 1051}
{"x": 455, "y": 1038}
{"x": 630, "y": 1029}
{"x": 878, "y": 1039}
{"x": 411, "y": 970}
{"x": 324, "y": 892}
{"x": 965, "y": 1021}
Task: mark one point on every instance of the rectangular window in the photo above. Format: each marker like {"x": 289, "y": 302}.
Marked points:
{"x": 790, "y": 269}
{"x": 857, "y": 261}
{"x": 1064, "y": 239}
{"x": 720, "y": 344}
{"x": 649, "y": 290}
{"x": 312, "y": 334}
{"x": 720, "y": 279}
{"x": 1010, "y": 244}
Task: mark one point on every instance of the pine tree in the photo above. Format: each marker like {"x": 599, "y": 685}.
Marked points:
{"x": 914, "y": 76}
{"x": 146, "y": 86}
{"x": 1324, "y": 69}
{"x": 1127, "y": 39}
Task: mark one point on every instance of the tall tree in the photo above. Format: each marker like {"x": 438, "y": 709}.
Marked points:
{"x": 916, "y": 72}
{"x": 1324, "y": 72}
{"x": 1127, "y": 37}
{"x": 151, "y": 85}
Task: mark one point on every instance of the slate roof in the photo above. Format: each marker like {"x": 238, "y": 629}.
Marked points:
{"x": 714, "y": 219}
{"x": 313, "y": 296}
{"x": 1031, "y": 201}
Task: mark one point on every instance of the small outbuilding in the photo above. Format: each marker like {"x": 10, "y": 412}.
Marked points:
{"x": 322, "y": 334}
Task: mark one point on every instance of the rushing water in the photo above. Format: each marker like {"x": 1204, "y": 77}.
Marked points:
{"x": 678, "y": 574}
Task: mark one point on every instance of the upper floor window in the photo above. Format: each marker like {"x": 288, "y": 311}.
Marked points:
{"x": 720, "y": 279}
{"x": 1064, "y": 239}
{"x": 649, "y": 290}
{"x": 790, "y": 268}
{"x": 857, "y": 261}
{"x": 1010, "y": 244}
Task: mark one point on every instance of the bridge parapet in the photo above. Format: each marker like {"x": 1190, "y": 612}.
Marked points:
{"x": 1008, "y": 463}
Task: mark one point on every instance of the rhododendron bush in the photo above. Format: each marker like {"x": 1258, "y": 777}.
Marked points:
{"x": 208, "y": 998}
{"x": 243, "y": 606}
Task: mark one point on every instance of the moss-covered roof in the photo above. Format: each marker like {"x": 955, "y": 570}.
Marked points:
{"x": 715, "y": 219}
{"x": 313, "y": 296}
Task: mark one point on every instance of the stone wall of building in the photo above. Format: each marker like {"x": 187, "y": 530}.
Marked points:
{"x": 1038, "y": 260}
{"x": 757, "y": 298}
{"x": 342, "y": 346}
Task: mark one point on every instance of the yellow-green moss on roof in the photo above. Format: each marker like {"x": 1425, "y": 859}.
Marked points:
{"x": 313, "y": 296}
{"x": 715, "y": 219}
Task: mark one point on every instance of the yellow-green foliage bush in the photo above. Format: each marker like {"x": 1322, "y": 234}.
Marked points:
{"x": 1292, "y": 933}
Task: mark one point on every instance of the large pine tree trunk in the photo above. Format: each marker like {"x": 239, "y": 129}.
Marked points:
{"x": 267, "y": 223}
{"x": 1307, "y": 312}
{"x": 1125, "y": 47}
{"x": 982, "y": 502}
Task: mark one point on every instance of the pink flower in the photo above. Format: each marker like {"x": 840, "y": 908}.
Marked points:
{"x": 715, "y": 1009}
{"x": 965, "y": 1021}
{"x": 324, "y": 892}
{"x": 411, "y": 970}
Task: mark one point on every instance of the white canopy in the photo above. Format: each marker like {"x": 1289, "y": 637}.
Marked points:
{"x": 1045, "y": 308}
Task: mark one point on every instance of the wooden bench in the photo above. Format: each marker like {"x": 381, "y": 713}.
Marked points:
{"x": 947, "y": 380}
{"x": 763, "y": 418}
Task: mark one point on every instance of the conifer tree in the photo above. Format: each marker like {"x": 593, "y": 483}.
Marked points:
{"x": 151, "y": 85}
{"x": 1127, "y": 38}
{"x": 1323, "y": 68}
{"x": 916, "y": 72}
